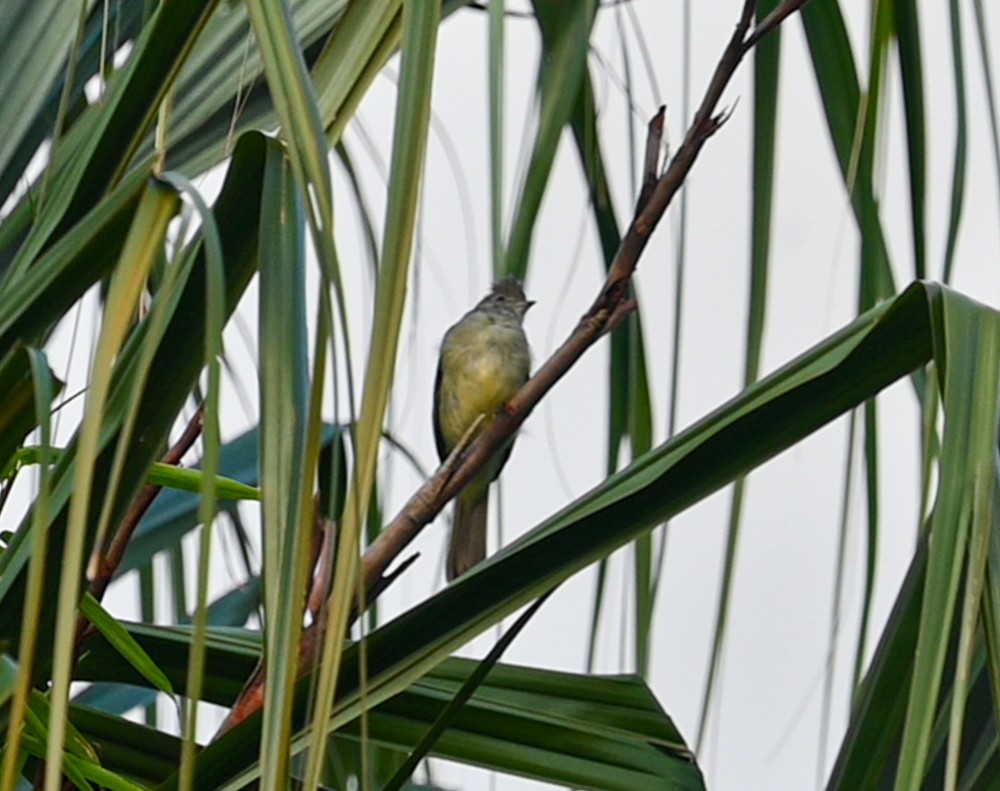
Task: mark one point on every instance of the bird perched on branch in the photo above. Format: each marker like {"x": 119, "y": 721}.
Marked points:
{"x": 484, "y": 361}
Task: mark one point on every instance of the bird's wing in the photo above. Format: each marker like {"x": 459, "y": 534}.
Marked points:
{"x": 442, "y": 447}
{"x": 502, "y": 455}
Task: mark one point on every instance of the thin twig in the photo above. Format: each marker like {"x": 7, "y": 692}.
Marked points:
{"x": 612, "y": 305}
{"x": 119, "y": 541}
{"x": 609, "y": 309}
{"x": 112, "y": 556}
{"x": 323, "y": 563}
{"x": 772, "y": 20}
{"x": 651, "y": 165}
{"x": 251, "y": 697}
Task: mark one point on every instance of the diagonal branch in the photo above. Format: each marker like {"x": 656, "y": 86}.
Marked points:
{"x": 612, "y": 305}
{"x": 114, "y": 551}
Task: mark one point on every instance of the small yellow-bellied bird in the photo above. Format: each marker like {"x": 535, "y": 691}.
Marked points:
{"x": 484, "y": 361}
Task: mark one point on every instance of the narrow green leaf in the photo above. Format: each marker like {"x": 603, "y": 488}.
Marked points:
{"x": 35, "y": 40}
{"x": 174, "y": 370}
{"x": 881, "y": 347}
{"x": 82, "y": 764}
{"x": 107, "y": 27}
{"x": 420, "y": 24}
{"x": 183, "y": 479}
{"x": 630, "y": 410}
{"x": 495, "y": 54}
{"x": 127, "y": 748}
{"x": 970, "y": 398}
{"x": 119, "y": 697}
{"x": 766, "y": 69}
{"x": 961, "y": 139}
{"x": 979, "y": 541}
{"x": 215, "y": 317}
{"x": 852, "y": 124}
{"x": 345, "y": 66}
{"x": 450, "y": 712}
{"x": 32, "y": 303}
{"x": 100, "y": 146}
{"x": 155, "y": 210}
{"x": 911, "y": 71}
{"x": 220, "y": 92}
{"x": 565, "y": 35}
{"x": 297, "y": 108}
{"x": 286, "y": 480}
{"x": 871, "y": 530}
{"x": 44, "y": 387}
{"x": 21, "y": 376}
{"x": 8, "y": 679}
{"x": 587, "y": 731}
{"x": 175, "y": 513}
{"x": 119, "y": 637}
{"x": 188, "y": 480}
{"x": 989, "y": 85}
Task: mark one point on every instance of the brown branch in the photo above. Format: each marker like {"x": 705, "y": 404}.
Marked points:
{"x": 772, "y": 20}
{"x": 251, "y": 697}
{"x": 609, "y": 309}
{"x": 322, "y": 562}
{"x": 445, "y": 484}
{"x": 651, "y": 168}
{"x": 111, "y": 557}
{"x": 115, "y": 551}
{"x": 612, "y": 306}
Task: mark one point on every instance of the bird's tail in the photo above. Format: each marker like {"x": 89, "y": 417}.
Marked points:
{"x": 468, "y": 534}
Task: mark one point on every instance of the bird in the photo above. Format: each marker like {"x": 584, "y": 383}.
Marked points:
{"x": 484, "y": 360}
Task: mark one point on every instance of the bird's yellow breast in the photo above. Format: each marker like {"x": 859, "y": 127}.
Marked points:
{"x": 483, "y": 364}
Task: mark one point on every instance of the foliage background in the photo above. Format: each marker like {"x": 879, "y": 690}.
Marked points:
{"x": 766, "y": 730}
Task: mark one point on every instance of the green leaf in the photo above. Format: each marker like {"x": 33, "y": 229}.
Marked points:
{"x": 127, "y": 748}
{"x": 118, "y": 636}
{"x": 882, "y": 346}
{"x": 565, "y": 31}
{"x": 911, "y": 72}
{"x": 420, "y": 25}
{"x": 142, "y": 245}
{"x": 36, "y": 38}
{"x": 231, "y": 609}
{"x": 17, "y": 405}
{"x": 585, "y": 731}
{"x": 287, "y": 478}
{"x": 171, "y": 476}
{"x": 971, "y": 397}
{"x": 8, "y": 680}
{"x": 175, "y": 513}
{"x": 172, "y": 374}
{"x": 766, "y": 63}
{"x": 852, "y": 125}
{"x": 31, "y": 304}
{"x": 97, "y": 151}
{"x": 188, "y": 480}
{"x": 959, "y": 164}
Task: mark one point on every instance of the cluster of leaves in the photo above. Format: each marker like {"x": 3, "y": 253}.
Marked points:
{"x": 99, "y": 213}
